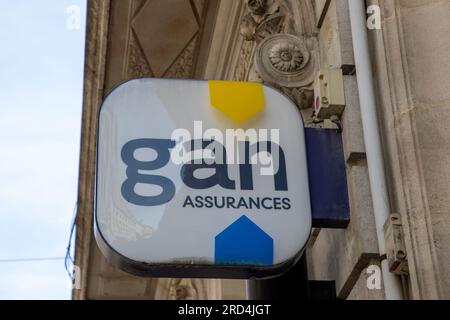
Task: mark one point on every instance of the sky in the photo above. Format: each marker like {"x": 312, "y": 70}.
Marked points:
{"x": 41, "y": 81}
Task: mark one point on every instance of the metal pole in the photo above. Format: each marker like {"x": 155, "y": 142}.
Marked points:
{"x": 364, "y": 73}
{"x": 290, "y": 285}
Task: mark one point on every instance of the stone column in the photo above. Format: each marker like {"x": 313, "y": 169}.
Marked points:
{"x": 128, "y": 39}
{"x": 412, "y": 65}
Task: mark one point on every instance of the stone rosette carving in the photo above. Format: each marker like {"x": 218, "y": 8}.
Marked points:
{"x": 286, "y": 57}
{"x": 283, "y": 59}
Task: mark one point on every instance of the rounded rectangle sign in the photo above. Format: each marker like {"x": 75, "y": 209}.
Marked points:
{"x": 201, "y": 179}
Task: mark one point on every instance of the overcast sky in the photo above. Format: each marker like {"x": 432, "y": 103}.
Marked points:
{"x": 41, "y": 74}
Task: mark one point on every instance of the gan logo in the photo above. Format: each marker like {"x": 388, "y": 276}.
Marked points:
{"x": 219, "y": 177}
{"x": 205, "y": 176}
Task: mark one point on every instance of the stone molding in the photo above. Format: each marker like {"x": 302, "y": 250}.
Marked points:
{"x": 94, "y": 76}
{"x": 403, "y": 131}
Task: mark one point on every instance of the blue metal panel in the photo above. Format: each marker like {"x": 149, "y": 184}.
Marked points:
{"x": 327, "y": 178}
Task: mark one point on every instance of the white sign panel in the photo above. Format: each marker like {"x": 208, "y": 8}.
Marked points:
{"x": 205, "y": 177}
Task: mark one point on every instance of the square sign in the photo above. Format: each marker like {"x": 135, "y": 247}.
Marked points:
{"x": 201, "y": 179}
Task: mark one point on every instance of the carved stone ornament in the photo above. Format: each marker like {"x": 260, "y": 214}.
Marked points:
{"x": 286, "y": 57}
{"x": 253, "y": 31}
{"x": 257, "y": 7}
{"x": 283, "y": 59}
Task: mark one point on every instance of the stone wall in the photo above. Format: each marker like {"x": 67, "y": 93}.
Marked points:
{"x": 411, "y": 62}
{"x": 320, "y": 32}
{"x": 343, "y": 255}
{"x": 128, "y": 39}
{"x": 241, "y": 40}
{"x": 411, "y": 65}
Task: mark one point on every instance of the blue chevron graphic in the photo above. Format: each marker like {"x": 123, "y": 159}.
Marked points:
{"x": 243, "y": 243}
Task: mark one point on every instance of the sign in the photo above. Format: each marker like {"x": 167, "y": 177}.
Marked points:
{"x": 201, "y": 179}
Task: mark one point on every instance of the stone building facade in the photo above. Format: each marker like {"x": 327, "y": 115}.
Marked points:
{"x": 284, "y": 43}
